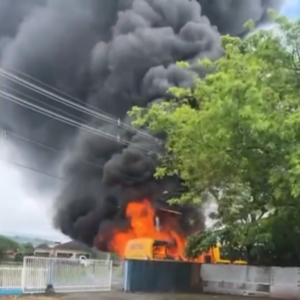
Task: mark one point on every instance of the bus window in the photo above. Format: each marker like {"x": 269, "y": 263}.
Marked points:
{"x": 232, "y": 254}
{"x": 224, "y": 253}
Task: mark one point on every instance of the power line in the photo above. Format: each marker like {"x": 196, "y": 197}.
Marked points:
{"x": 63, "y": 119}
{"x": 7, "y": 133}
{"x": 51, "y": 175}
{"x": 53, "y": 115}
{"x": 43, "y": 103}
{"x": 10, "y": 133}
{"x": 30, "y": 168}
{"x": 62, "y": 93}
{"x": 71, "y": 104}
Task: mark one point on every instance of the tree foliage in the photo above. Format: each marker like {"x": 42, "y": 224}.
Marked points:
{"x": 27, "y": 249}
{"x": 7, "y": 244}
{"x": 238, "y": 143}
{"x": 22, "y": 249}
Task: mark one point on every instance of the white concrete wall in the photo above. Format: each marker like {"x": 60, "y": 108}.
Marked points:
{"x": 271, "y": 282}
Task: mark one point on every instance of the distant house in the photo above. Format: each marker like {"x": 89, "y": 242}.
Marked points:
{"x": 42, "y": 250}
{"x": 70, "y": 249}
{"x": 10, "y": 254}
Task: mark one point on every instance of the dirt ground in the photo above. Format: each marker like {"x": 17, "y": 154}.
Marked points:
{"x": 128, "y": 296}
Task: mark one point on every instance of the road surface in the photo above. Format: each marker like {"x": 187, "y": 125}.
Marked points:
{"x": 127, "y": 296}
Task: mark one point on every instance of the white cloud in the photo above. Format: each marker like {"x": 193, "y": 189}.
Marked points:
{"x": 21, "y": 212}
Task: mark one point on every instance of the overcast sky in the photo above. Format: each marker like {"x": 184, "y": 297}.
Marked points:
{"x": 21, "y": 213}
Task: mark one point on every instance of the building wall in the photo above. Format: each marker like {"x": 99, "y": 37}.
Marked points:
{"x": 8, "y": 257}
{"x": 43, "y": 253}
{"x": 70, "y": 253}
{"x": 60, "y": 253}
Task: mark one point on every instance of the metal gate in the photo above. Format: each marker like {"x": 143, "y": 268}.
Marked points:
{"x": 65, "y": 275}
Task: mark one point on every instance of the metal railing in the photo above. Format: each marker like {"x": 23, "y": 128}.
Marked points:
{"x": 10, "y": 277}
{"x": 118, "y": 275}
{"x": 66, "y": 275}
{"x": 63, "y": 275}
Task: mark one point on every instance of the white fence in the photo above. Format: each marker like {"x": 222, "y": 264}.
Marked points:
{"x": 10, "y": 278}
{"x": 271, "y": 282}
{"x": 73, "y": 275}
{"x": 117, "y": 278}
{"x": 64, "y": 275}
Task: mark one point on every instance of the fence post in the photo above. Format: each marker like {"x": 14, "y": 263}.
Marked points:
{"x": 1, "y": 278}
{"x": 50, "y": 275}
{"x": 110, "y": 265}
{"x": 23, "y": 274}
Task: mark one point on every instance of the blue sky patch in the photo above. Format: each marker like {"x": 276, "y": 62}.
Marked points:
{"x": 291, "y": 8}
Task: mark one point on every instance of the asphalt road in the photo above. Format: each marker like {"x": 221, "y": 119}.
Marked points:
{"x": 113, "y": 295}
{"x": 138, "y": 296}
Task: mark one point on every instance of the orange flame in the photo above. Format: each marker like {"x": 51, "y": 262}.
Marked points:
{"x": 142, "y": 225}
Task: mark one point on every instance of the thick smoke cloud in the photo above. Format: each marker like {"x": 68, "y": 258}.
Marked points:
{"x": 112, "y": 55}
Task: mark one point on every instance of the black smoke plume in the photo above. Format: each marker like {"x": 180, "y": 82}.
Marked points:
{"x": 111, "y": 54}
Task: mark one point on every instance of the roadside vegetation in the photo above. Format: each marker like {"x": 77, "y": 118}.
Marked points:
{"x": 234, "y": 139}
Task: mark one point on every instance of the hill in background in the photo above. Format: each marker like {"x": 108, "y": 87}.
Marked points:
{"x": 25, "y": 240}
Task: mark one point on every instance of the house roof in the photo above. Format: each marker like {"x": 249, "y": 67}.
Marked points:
{"x": 43, "y": 247}
{"x": 10, "y": 251}
{"x": 72, "y": 245}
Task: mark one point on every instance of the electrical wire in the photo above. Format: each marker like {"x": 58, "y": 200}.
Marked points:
{"x": 15, "y": 91}
{"x": 53, "y": 115}
{"x": 8, "y": 133}
{"x": 71, "y": 104}
{"x": 63, "y": 119}
{"x": 30, "y": 168}
{"x": 61, "y": 92}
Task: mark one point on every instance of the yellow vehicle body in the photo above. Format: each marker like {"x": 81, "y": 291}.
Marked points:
{"x": 219, "y": 257}
{"x": 139, "y": 249}
{"x": 147, "y": 248}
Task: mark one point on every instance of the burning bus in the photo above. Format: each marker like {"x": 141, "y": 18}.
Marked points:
{"x": 152, "y": 233}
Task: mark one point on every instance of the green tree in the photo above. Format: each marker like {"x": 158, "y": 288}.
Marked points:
{"x": 27, "y": 249}
{"x": 7, "y": 244}
{"x": 238, "y": 142}
{"x": 19, "y": 257}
